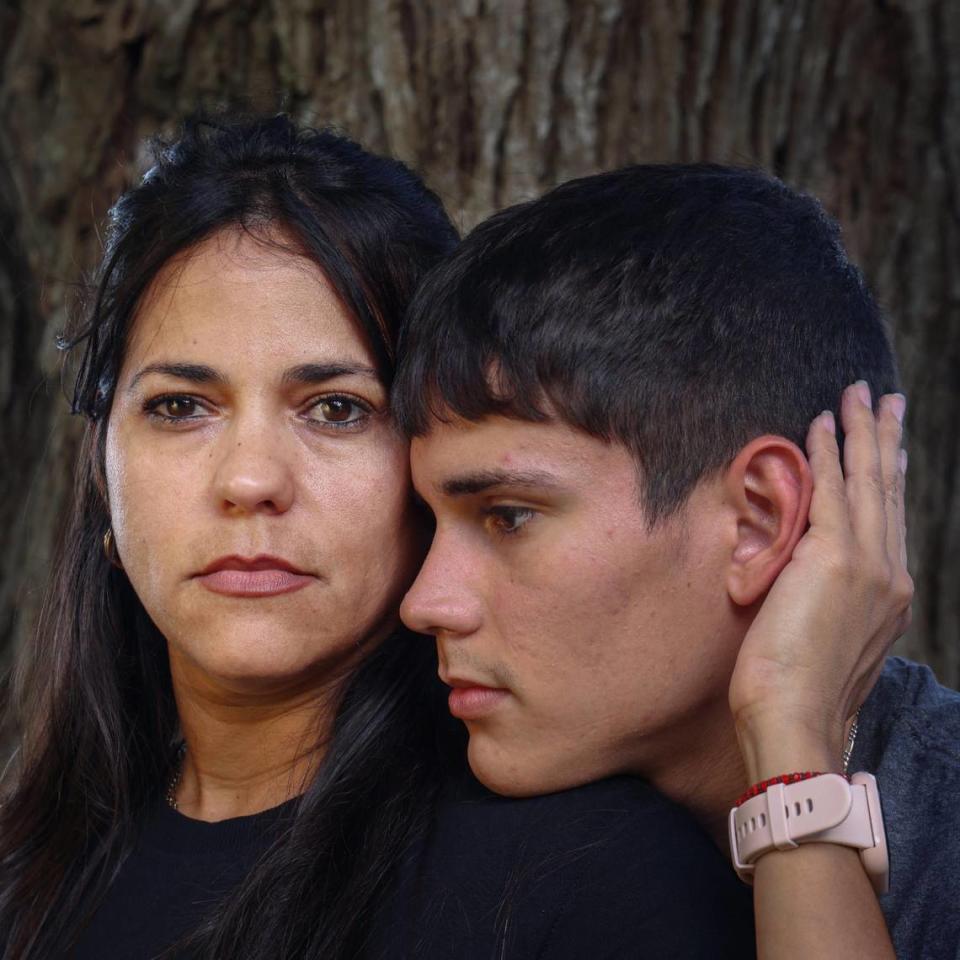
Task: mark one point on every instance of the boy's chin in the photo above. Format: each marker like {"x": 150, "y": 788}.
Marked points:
{"x": 526, "y": 773}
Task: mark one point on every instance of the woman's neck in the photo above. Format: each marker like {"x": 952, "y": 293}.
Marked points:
{"x": 248, "y": 750}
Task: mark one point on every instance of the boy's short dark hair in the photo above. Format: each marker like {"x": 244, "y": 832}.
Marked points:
{"x": 680, "y": 310}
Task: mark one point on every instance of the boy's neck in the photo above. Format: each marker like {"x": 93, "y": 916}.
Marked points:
{"x": 702, "y": 768}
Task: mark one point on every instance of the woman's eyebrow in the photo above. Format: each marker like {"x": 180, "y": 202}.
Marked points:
{"x": 194, "y": 372}
{"x": 307, "y": 373}
{"x": 304, "y": 373}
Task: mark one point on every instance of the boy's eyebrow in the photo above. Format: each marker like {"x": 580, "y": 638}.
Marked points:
{"x": 471, "y": 483}
{"x": 194, "y": 372}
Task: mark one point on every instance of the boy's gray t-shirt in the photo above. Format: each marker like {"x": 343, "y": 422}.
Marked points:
{"x": 909, "y": 738}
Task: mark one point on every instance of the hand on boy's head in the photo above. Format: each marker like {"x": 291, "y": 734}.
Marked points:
{"x": 818, "y": 642}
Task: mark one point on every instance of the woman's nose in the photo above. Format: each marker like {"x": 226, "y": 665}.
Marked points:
{"x": 254, "y": 473}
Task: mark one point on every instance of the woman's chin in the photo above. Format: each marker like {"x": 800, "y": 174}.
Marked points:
{"x": 261, "y": 666}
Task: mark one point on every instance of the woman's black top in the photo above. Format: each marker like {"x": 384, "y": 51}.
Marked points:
{"x": 608, "y": 870}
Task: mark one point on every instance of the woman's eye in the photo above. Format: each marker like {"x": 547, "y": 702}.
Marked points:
{"x": 174, "y": 408}
{"x": 509, "y": 520}
{"x": 338, "y": 410}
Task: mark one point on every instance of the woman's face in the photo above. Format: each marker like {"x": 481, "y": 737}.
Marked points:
{"x": 258, "y": 490}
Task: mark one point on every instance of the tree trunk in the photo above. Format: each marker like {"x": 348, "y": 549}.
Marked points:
{"x": 857, "y": 101}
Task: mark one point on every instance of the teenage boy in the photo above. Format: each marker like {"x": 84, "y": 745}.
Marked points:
{"x": 608, "y": 391}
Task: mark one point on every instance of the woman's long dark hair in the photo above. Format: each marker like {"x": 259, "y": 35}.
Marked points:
{"x": 94, "y": 702}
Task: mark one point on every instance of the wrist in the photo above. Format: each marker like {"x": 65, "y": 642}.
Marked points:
{"x": 770, "y": 751}
{"x": 817, "y": 809}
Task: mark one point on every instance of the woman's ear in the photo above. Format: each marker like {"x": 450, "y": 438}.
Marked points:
{"x": 769, "y": 486}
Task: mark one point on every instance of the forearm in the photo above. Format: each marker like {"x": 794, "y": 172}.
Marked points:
{"x": 815, "y": 900}
{"x": 810, "y": 658}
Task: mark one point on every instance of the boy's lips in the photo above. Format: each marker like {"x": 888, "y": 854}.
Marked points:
{"x": 471, "y": 700}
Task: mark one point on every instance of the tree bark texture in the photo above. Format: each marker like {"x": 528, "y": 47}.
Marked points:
{"x": 493, "y": 101}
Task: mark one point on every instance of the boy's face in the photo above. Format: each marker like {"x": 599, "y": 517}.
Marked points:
{"x": 579, "y": 642}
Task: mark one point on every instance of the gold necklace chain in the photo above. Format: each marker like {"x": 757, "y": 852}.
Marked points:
{"x": 177, "y": 776}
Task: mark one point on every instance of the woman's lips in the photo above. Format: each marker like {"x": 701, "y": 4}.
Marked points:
{"x": 260, "y": 576}
{"x": 254, "y": 583}
{"x": 472, "y": 702}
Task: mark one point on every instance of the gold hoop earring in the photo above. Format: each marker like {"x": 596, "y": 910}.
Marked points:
{"x": 110, "y": 549}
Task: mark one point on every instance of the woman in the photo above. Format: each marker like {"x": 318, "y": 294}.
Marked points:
{"x": 104, "y": 710}
{"x": 241, "y": 539}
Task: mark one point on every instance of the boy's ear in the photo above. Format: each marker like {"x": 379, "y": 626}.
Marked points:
{"x": 769, "y": 486}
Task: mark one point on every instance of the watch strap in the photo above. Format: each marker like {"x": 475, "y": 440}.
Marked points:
{"x": 823, "y": 809}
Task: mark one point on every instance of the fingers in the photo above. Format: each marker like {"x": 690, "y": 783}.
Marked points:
{"x": 889, "y": 436}
{"x": 894, "y": 467}
{"x": 901, "y": 506}
{"x": 866, "y": 494}
{"x": 874, "y": 470}
{"x": 828, "y": 505}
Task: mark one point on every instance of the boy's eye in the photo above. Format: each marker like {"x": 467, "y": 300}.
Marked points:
{"x": 508, "y": 520}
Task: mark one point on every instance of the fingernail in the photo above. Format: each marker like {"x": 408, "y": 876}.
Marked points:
{"x": 898, "y": 405}
{"x": 829, "y": 422}
{"x": 902, "y": 460}
{"x": 863, "y": 392}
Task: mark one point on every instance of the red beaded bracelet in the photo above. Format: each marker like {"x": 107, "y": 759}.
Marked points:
{"x": 762, "y": 786}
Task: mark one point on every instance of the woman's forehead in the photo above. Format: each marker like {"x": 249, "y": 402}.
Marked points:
{"x": 240, "y": 297}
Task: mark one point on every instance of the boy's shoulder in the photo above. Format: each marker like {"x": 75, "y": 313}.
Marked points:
{"x": 909, "y": 738}
{"x": 908, "y": 712}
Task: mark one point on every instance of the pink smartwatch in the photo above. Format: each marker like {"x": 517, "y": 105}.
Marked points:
{"x": 823, "y": 809}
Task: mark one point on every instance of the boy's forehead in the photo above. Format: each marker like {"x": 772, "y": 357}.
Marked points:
{"x": 515, "y": 452}
{"x": 504, "y": 440}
